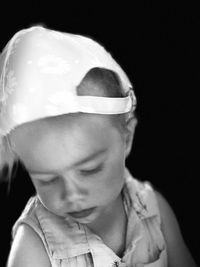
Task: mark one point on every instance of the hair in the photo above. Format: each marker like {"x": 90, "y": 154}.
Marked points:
{"x": 97, "y": 82}
{"x": 105, "y": 83}
{"x": 8, "y": 160}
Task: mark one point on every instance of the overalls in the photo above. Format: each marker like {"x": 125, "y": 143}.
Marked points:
{"x": 71, "y": 244}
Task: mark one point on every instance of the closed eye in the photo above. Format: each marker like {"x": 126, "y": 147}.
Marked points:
{"x": 91, "y": 171}
{"x": 48, "y": 182}
{"x": 85, "y": 172}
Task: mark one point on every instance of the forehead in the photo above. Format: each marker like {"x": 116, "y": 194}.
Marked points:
{"x": 60, "y": 125}
{"x": 73, "y": 137}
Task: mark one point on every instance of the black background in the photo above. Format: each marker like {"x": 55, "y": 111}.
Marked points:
{"x": 157, "y": 44}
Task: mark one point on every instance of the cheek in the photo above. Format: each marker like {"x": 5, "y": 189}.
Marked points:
{"x": 115, "y": 177}
{"x": 48, "y": 197}
{"x": 111, "y": 184}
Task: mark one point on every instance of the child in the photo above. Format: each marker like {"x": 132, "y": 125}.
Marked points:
{"x": 67, "y": 113}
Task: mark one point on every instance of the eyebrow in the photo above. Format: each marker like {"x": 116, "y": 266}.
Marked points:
{"x": 92, "y": 156}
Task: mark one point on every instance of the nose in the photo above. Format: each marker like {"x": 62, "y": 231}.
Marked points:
{"x": 71, "y": 190}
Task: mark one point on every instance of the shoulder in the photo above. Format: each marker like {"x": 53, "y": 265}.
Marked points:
{"x": 178, "y": 253}
{"x": 27, "y": 249}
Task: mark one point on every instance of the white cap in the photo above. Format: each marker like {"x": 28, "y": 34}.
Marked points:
{"x": 40, "y": 70}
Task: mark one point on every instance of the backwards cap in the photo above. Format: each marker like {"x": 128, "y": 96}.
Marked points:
{"x": 40, "y": 70}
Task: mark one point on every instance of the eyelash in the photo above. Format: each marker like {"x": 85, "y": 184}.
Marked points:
{"x": 92, "y": 171}
{"x": 83, "y": 172}
{"x": 42, "y": 182}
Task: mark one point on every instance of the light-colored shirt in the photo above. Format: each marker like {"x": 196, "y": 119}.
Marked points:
{"x": 71, "y": 244}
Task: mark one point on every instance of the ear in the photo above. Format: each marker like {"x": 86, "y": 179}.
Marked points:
{"x": 131, "y": 125}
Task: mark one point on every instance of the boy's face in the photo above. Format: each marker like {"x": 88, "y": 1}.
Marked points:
{"x": 74, "y": 164}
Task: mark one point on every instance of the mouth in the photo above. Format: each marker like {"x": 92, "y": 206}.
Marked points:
{"x": 82, "y": 213}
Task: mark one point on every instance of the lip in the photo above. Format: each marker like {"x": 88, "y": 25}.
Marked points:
{"x": 82, "y": 213}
